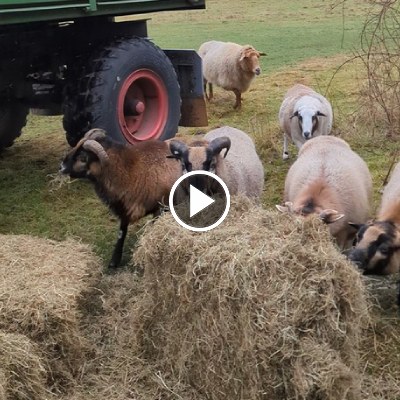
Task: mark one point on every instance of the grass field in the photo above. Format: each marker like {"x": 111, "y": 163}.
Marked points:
{"x": 305, "y": 42}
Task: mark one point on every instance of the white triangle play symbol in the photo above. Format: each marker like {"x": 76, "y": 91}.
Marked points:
{"x": 198, "y": 201}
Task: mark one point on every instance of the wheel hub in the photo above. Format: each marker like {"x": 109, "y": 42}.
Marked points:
{"x": 142, "y": 106}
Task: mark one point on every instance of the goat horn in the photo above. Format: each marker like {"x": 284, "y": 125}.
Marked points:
{"x": 95, "y": 134}
{"x": 97, "y": 149}
{"x": 218, "y": 144}
{"x": 178, "y": 149}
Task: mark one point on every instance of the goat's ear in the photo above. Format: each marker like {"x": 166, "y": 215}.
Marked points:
{"x": 320, "y": 114}
{"x": 355, "y": 226}
{"x": 295, "y": 114}
{"x": 329, "y": 216}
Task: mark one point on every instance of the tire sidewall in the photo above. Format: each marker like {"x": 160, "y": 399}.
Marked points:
{"x": 144, "y": 55}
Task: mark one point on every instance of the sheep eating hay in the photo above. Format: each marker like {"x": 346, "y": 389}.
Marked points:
{"x": 248, "y": 311}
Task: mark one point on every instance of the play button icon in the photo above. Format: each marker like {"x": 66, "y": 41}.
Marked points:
{"x": 199, "y": 201}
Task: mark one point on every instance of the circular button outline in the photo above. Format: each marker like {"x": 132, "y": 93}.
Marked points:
{"x": 224, "y": 214}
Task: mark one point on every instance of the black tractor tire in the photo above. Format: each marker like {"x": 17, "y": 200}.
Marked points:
{"x": 12, "y": 120}
{"x": 130, "y": 89}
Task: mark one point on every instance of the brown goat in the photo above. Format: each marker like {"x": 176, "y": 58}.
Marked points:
{"x": 133, "y": 181}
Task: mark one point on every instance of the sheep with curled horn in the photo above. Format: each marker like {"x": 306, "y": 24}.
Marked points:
{"x": 227, "y": 152}
{"x": 133, "y": 181}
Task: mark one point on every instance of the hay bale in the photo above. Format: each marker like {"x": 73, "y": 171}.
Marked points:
{"x": 42, "y": 284}
{"x": 22, "y": 374}
{"x": 262, "y": 307}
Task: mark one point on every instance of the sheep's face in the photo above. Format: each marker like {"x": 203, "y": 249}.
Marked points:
{"x": 377, "y": 249}
{"x": 195, "y": 157}
{"x": 200, "y": 156}
{"x": 249, "y": 60}
{"x": 308, "y": 121}
{"x": 79, "y": 163}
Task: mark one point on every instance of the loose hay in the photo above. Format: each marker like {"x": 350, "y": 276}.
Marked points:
{"x": 42, "y": 284}
{"x": 22, "y": 374}
{"x": 263, "y": 307}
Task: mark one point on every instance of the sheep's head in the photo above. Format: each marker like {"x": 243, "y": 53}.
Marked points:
{"x": 200, "y": 155}
{"x": 377, "y": 248}
{"x": 87, "y": 157}
{"x": 249, "y": 60}
{"x": 308, "y": 121}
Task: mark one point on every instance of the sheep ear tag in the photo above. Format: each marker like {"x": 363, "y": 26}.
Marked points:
{"x": 199, "y": 201}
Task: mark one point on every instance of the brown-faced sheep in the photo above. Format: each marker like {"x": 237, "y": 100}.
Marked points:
{"x": 331, "y": 180}
{"x": 377, "y": 249}
{"x": 230, "y": 66}
{"x": 304, "y": 114}
{"x": 133, "y": 181}
{"x": 227, "y": 152}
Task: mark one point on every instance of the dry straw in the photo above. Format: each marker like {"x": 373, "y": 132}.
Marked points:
{"x": 263, "y": 307}
{"x": 42, "y": 284}
{"x": 22, "y": 374}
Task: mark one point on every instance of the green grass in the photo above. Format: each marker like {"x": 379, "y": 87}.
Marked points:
{"x": 288, "y": 32}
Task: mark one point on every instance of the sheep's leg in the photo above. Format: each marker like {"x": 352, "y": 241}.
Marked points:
{"x": 117, "y": 253}
{"x": 205, "y": 89}
{"x": 210, "y": 91}
{"x": 238, "y": 103}
{"x": 285, "y": 154}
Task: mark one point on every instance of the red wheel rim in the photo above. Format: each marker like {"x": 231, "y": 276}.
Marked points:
{"x": 142, "y": 106}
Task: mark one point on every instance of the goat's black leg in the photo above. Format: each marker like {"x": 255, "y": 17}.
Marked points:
{"x": 117, "y": 253}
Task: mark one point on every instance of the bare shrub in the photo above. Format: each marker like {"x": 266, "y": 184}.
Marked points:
{"x": 380, "y": 53}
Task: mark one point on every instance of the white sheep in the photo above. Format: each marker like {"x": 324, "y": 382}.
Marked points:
{"x": 230, "y": 66}
{"x": 377, "y": 250}
{"x": 330, "y": 180}
{"x": 304, "y": 114}
{"x": 238, "y": 166}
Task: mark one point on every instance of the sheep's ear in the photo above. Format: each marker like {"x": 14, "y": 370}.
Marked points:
{"x": 357, "y": 227}
{"x": 295, "y": 114}
{"x": 282, "y": 209}
{"x": 320, "y": 114}
{"x": 329, "y": 216}
{"x": 261, "y": 53}
{"x": 288, "y": 207}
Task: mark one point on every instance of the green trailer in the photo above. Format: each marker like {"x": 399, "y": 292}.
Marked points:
{"x": 79, "y": 59}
